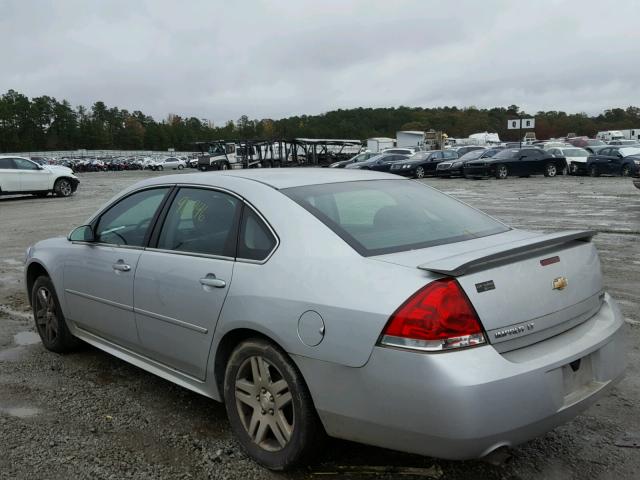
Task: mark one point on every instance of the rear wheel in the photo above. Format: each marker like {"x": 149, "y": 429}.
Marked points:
{"x": 50, "y": 322}
{"x": 224, "y": 166}
{"x": 502, "y": 172}
{"x": 63, "y": 187}
{"x": 159, "y": 168}
{"x": 593, "y": 171}
{"x": 203, "y": 168}
{"x": 626, "y": 171}
{"x": 550, "y": 170}
{"x": 574, "y": 169}
{"x": 180, "y": 167}
{"x": 420, "y": 172}
{"x": 269, "y": 406}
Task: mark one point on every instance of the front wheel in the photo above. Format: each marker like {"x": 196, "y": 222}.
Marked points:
{"x": 626, "y": 171}
{"x": 63, "y": 188}
{"x": 550, "y": 170}
{"x": 224, "y": 166}
{"x": 502, "y": 172}
{"x": 50, "y": 322}
{"x": 180, "y": 167}
{"x": 574, "y": 169}
{"x": 420, "y": 172}
{"x": 160, "y": 168}
{"x": 269, "y": 406}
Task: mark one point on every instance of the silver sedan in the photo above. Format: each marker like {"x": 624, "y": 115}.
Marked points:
{"x": 353, "y": 304}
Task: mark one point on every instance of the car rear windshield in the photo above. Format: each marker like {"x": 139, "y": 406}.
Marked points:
{"x": 377, "y": 217}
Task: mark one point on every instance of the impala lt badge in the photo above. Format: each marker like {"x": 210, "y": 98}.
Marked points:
{"x": 560, "y": 283}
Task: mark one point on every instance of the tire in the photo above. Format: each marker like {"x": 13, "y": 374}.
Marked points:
{"x": 550, "y": 170}
{"x": 50, "y": 322}
{"x": 574, "y": 169}
{"x": 420, "y": 172}
{"x": 203, "y": 168}
{"x": 180, "y": 167}
{"x": 224, "y": 166}
{"x": 593, "y": 171}
{"x": 63, "y": 187}
{"x": 160, "y": 168}
{"x": 626, "y": 171}
{"x": 502, "y": 172}
{"x": 282, "y": 436}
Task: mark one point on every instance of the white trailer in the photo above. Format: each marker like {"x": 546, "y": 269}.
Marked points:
{"x": 608, "y": 135}
{"x": 409, "y": 138}
{"x": 631, "y": 134}
{"x": 378, "y": 144}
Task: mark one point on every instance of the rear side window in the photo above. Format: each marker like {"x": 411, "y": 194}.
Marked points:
{"x": 386, "y": 216}
{"x": 6, "y": 164}
{"x": 201, "y": 221}
{"x": 256, "y": 240}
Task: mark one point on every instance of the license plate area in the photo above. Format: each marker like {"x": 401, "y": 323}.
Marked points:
{"x": 578, "y": 380}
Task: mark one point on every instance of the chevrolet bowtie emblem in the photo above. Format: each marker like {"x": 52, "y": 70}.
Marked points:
{"x": 560, "y": 283}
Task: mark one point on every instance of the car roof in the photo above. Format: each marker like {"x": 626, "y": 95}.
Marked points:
{"x": 277, "y": 178}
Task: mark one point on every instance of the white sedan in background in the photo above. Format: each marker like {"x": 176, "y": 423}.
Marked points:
{"x": 20, "y": 175}
{"x": 173, "y": 163}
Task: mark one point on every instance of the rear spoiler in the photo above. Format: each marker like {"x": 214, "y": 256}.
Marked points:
{"x": 461, "y": 264}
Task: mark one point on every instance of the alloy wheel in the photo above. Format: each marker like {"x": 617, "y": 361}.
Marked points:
{"x": 420, "y": 172}
{"x": 46, "y": 317}
{"x": 264, "y": 404}
{"x": 626, "y": 171}
{"x": 502, "y": 171}
{"x": 551, "y": 170}
{"x": 65, "y": 188}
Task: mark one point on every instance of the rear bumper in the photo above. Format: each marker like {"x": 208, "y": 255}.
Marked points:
{"x": 465, "y": 404}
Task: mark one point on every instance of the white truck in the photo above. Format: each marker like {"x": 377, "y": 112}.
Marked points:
{"x": 23, "y": 176}
{"x": 631, "y": 134}
{"x": 410, "y": 138}
{"x": 378, "y": 144}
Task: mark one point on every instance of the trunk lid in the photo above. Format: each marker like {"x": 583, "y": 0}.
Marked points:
{"x": 524, "y": 286}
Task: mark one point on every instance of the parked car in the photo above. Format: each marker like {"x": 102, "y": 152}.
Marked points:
{"x": 442, "y": 332}
{"x": 623, "y": 142}
{"x": 454, "y": 168}
{"x": 516, "y": 161}
{"x": 173, "y": 163}
{"x": 20, "y": 175}
{"x": 402, "y": 151}
{"x": 422, "y": 163}
{"x": 361, "y": 157}
{"x": 614, "y": 161}
{"x": 576, "y": 158}
{"x": 381, "y": 162}
{"x": 466, "y": 149}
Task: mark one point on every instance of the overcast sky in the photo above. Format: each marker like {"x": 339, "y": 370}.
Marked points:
{"x": 219, "y": 60}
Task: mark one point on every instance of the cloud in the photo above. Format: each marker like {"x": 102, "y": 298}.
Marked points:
{"x": 220, "y": 60}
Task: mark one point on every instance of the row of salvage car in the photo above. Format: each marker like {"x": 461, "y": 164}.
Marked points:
{"x": 500, "y": 162}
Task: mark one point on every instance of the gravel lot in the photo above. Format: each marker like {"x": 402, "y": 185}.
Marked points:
{"x": 90, "y": 415}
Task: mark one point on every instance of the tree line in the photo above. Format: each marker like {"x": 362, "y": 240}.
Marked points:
{"x": 45, "y": 123}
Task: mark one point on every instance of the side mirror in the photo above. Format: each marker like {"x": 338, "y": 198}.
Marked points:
{"x": 83, "y": 233}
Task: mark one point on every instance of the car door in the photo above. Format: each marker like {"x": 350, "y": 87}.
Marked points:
{"x": 33, "y": 178}
{"x": 607, "y": 160}
{"x": 617, "y": 159}
{"x": 9, "y": 176}
{"x": 183, "y": 278}
{"x": 171, "y": 163}
{"x": 98, "y": 276}
{"x": 432, "y": 162}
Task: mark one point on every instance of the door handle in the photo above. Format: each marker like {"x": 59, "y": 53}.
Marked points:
{"x": 211, "y": 281}
{"x": 120, "y": 266}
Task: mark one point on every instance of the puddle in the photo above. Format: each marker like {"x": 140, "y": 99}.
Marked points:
{"x": 20, "y": 412}
{"x": 26, "y": 338}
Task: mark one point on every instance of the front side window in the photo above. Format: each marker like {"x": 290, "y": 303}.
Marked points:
{"x": 22, "y": 164}
{"x": 201, "y": 221}
{"x": 127, "y": 222}
{"x": 256, "y": 240}
{"x": 386, "y": 216}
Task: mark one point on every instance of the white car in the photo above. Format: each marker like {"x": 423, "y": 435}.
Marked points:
{"x": 20, "y": 175}
{"x": 576, "y": 158}
{"x": 173, "y": 163}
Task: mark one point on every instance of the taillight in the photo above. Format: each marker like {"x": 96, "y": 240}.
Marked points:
{"x": 437, "y": 317}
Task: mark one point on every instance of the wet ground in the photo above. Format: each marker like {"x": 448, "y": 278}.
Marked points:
{"x": 88, "y": 414}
